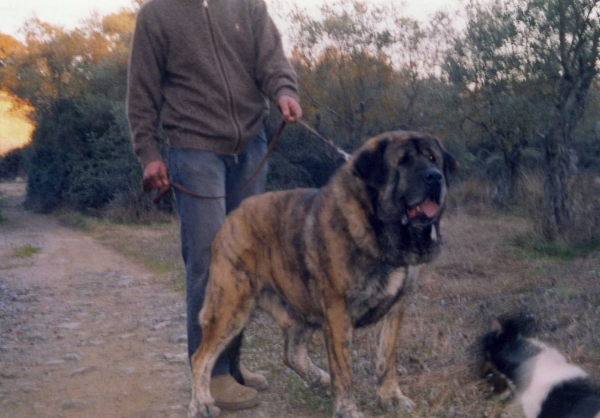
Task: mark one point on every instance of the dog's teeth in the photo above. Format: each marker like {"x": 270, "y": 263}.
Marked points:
{"x": 404, "y": 219}
{"x": 419, "y": 209}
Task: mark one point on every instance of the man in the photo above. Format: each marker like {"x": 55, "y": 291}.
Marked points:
{"x": 204, "y": 69}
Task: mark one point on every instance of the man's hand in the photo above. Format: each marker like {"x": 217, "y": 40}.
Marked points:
{"x": 155, "y": 176}
{"x": 290, "y": 109}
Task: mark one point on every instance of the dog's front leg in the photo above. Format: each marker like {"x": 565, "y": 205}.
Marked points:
{"x": 389, "y": 393}
{"x": 337, "y": 329}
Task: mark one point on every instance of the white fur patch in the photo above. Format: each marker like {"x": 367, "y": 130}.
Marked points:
{"x": 540, "y": 374}
{"x": 395, "y": 281}
{"x": 434, "y": 236}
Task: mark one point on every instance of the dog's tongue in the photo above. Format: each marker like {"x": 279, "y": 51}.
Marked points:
{"x": 428, "y": 207}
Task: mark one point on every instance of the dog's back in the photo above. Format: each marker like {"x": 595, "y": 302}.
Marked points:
{"x": 539, "y": 377}
{"x": 575, "y": 398}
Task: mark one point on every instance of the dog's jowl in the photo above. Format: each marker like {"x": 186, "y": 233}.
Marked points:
{"x": 537, "y": 375}
{"x": 336, "y": 258}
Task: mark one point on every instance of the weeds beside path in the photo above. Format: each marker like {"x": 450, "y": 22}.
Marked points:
{"x": 92, "y": 325}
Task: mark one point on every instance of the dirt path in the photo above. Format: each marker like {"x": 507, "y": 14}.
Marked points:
{"x": 87, "y": 332}
{"x": 84, "y": 332}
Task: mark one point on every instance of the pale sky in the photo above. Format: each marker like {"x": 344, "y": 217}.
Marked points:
{"x": 68, "y": 13}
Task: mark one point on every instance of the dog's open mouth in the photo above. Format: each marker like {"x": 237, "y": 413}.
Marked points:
{"x": 428, "y": 208}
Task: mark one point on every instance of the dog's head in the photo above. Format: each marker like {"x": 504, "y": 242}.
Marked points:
{"x": 408, "y": 174}
{"x": 505, "y": 349}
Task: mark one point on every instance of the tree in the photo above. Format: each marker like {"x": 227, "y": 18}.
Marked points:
{"x": 81, "y": 154}
{"x": 366, "y": 68}
{"x": 343, "y": 68}
{"x": 525, "y": 67}
{"x": 9, "y": 49}
{"x": 567, "y": 53}
{"x": 487, "y": 65}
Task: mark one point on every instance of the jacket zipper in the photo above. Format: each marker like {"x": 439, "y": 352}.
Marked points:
{"x": 228, "y": 87}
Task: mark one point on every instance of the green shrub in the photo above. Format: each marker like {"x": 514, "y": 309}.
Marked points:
{"x": 13, "y": 164}
{"x": 299, "y": 158}
{"x": 82, "y": 158}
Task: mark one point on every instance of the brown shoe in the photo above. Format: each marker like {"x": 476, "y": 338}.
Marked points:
{"x": 229, "y": 394}
{"x": 254, "y": 380}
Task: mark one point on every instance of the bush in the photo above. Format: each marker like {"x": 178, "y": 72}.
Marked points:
{"x": 584, "y": 232}
{"x": 585, "y": 210}
{"x": 82, "y": 159}
{"x": 299, "y": 159}
{"x": 13, "y": 164}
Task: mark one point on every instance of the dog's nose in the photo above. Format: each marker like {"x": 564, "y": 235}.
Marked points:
{"x": 432, "y": 176}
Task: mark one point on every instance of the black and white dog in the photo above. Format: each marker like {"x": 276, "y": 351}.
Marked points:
{"x": 540, "y": 378}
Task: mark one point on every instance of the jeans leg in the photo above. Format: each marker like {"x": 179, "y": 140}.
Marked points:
{"x": 202, "y": 173}
{"x": 211, "y": 174}
{"x": 238, "y": 174}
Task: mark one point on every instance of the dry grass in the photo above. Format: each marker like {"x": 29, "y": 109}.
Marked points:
{"x": 584, "y": 207}
{"x": 156, "y": 246}
{"x": 479, "y": 275}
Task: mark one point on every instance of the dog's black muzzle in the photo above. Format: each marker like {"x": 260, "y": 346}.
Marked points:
{"x": 433, "y": 178}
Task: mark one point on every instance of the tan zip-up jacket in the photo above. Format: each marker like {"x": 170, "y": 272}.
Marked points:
{"x": 204, "y": 69}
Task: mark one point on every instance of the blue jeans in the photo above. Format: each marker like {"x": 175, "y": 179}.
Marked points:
{"x": 210, "y": 174}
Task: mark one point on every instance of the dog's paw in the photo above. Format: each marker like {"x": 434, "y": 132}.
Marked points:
{"x": 321, "y": 380}
{"x": 347, "y": 409}
{"x": 394, "y": 400}
{"x": 316, "y": 377}
{"x": 348, "y": 414}
{"x": 199, "y": 410}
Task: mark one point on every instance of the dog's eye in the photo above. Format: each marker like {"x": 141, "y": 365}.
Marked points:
{"x": 404, "y": 160}
{"x": 431, "y": 158}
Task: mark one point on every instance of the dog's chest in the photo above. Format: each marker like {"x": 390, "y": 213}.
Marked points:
{"x": 376, "y": 294}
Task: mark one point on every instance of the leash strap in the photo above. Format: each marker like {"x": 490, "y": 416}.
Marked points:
{"x": 182, "y": 189}
{"x": 340, "y": 151}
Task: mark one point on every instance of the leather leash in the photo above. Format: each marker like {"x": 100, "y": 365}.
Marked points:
{"x": 276, "y": 137}
{"x": 340, "y": 151}
{"x": 182, "y": 189}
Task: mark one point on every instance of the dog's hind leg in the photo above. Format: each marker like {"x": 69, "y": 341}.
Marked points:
{"x": 227, "y": 306}
{"x": 295, "y": 356}
{"x": 296, "y": 336}
{"x": 389, "y": 393}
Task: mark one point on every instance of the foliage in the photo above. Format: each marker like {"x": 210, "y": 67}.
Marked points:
{"x": 299, "y": 159}
{"x": 511, "y": 95}
{"x": 497, "y": 110}
{"x": 362, "y": 70}
{"x": 81, "y": 158}
{"x": 524, "y": 69}
{"x": 81, "y": 155}
{"x": 366, "y": 69}
{"x": 13, "y": 164}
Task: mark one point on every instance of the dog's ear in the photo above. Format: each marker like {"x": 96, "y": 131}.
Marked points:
{"x": 450, "y": 166}
{"x": 370, "y": 165}
{"x": 521, "y": 324}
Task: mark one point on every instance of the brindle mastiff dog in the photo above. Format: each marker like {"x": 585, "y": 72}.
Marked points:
{"x": 336, "y": 258}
